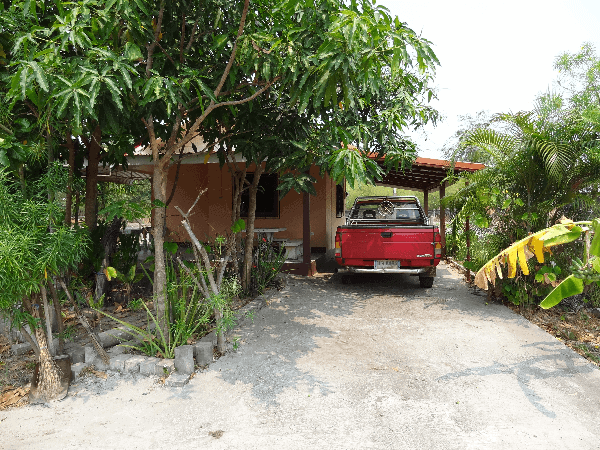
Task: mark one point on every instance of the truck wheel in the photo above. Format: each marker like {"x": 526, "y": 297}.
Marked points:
{"x": 426, "y": 282}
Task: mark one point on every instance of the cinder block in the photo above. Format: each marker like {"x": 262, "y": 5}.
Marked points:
{"x": 184, "y": 359}
{"x": 77, "y": 353}
{"x": 177, "y": 380}
{"x": 116, "y": 350}
{"x": 77, "y": 368}
{"x": 100, "y": 365}
{"x": 133, "y": 364}
{"x": 164, "y": 367}
{"x": 20, "y": 349}
{"x": 210, "y": 337}
{"x": 118, "y": 362}
{"x": 89, "y": 354}
{"x": 148, "y": 366}
{"x": 92, "y": 358}
{"x": 113, "y": 337}
{"x": 203, "y": 352}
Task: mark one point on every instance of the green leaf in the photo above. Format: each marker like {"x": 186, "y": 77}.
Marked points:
{"x": 171, "y": 247}
{"x": 158, "y": 204}
{"x": 559, "y": 234}
{"x": 39, "y": 75}
{"x": 519, "y": 202}
{"x": 570, "y": 286}
{"x": 4, "y": 161}
{"x": 595, "y": 246}
{"x": 132, "y": 52}
{"x": 595, "y": 264}
{"x": 219, "y": 41}
{"x": 111, "y": 272}
{"x": 115, "y": 92}
{"x": 238, "y": 226}
{"x": 506, "y": 203}
{"x": 207, "y": 91}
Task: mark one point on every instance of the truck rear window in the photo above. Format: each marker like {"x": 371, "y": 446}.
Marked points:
{"x": 386, "y": 209}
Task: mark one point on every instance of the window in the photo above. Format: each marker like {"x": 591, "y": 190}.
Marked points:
{"x": 267, "y": 196}
{"x": 339, "y": 201}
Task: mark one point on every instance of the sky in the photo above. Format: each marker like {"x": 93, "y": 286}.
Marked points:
{"x": 495, "y": 56}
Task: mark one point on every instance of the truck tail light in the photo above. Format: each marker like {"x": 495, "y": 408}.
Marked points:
{"x": 338, "y": 245}
{"x": 437, "y": 245}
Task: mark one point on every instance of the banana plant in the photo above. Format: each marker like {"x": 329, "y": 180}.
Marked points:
{"x": 584, "y": 271}
{"x": 129, "y": 278}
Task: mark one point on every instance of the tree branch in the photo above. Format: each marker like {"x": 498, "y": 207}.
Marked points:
{"x": 201, "y": 287}
{"x": 152, "y": 46}
{"x": 190, "y": 134}
{"x": 98, "y": 347}
{"x": 234, "y": 50}
{"x": 6, "y": 130}
{"x": 208, "y": 148}
{"x": 182, "y": 39}
{"x": 192, "y": 37}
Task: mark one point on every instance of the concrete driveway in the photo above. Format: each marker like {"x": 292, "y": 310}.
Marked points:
{"x": 379, "y": 364}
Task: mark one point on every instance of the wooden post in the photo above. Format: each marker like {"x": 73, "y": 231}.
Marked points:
{"x": 443, "y": 218}
{"x": 426, "y": 201}
{"x": 306, "y": 233}
{"x": 467, "y": 232}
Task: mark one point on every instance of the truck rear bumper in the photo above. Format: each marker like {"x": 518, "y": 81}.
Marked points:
{"x": 412, "y": 271}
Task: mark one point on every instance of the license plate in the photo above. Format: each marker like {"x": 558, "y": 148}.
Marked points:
{"x": 387, "y": 264}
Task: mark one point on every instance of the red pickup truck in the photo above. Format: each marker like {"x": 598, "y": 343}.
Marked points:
{"x": 388, "y": 235}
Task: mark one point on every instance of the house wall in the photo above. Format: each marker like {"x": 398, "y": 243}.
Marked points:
{"x": 212, "y": 214}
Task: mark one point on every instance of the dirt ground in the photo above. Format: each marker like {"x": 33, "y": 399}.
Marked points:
{"x": 578, "y": 330}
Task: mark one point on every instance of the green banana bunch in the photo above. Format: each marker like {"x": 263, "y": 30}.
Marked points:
{"x": 586, "y": 272}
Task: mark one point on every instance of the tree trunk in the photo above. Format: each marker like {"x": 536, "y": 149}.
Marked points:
{"x": 48, "y": 321}
{"x": 239, "y": 179}
{"x": 48, "y": 386}
{"x": 159, "y": 189}
{"x": 50, "y": 150}
{"x": 91, "y": 180}
{"x": 109, "y": 242}
{"x": 69, "y": 193}
{"x": 253, "y": 189}
{"x": 61, "y": 327}
{"x": 77, "y": 203}
{"x": 22, "y": 180}
{"x": 27, "y": 336}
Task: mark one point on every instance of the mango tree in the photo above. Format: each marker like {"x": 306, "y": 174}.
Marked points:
{"x": 68, "y": 72}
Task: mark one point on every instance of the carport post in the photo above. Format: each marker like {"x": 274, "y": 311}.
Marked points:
{"x": 426, "y": 201}
{"x": 467, "y": 233}
{"x": 443, "y": 217}
{"x": 306, "y": 233}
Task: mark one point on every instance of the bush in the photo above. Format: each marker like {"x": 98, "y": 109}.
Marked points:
{"x": 267, "y": 263}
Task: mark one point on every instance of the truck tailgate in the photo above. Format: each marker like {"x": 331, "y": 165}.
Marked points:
{"x": 387, "y": 243}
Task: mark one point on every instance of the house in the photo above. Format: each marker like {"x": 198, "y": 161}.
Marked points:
{"x": 306, "y": 224}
